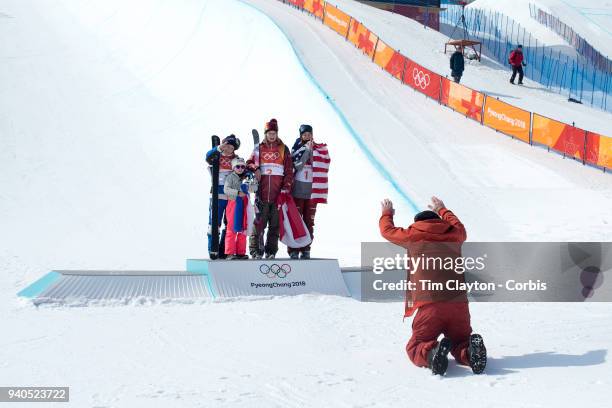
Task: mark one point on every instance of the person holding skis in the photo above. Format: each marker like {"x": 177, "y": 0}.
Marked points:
{"x": 271, "y": 163}
{"x": 437, "y": 233}
{"x": 302, "y": 153}
{"x": 457, "y": 64}
{"x": 237, "y": 192}
{"x": 516, "y": 59}
{"x": 226, "y": 150}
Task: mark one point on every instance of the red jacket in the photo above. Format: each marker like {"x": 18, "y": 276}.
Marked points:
{"x": 516, "y": 58}
{"x": 274, "y": 162}
{"x": 449, "y": 233}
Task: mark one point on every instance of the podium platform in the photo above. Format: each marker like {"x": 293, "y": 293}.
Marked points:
{"x": 202, "y": 279}
{"x": 82, "y": 286}
{"x": 268, "y": 277}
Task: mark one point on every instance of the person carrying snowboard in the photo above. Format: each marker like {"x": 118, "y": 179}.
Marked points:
{"x": 435, "y": 234}
{"x": 457, "y": 64}
{"x": 305, "y": 153}
{"x": 226, "y": 150}
{"x": 273, "y": 168}
{"x": 237, "y": 212}
{"x": 516, "y": 59}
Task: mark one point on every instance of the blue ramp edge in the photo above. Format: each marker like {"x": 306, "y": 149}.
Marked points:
{"x": 356, "y": 137}
{"x": 40, "y": 285}
{"x": 200, "y": 266}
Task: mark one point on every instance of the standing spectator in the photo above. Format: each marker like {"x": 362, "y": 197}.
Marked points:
{"x": 273, "y": 168}
{"x": 311, "y": 162}
{"x": 516, "y": 60}
{"x": 436, "y": 234}
{"x": 457, "y": 64}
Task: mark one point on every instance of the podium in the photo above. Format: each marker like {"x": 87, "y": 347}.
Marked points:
{"x": 270, "y": 277}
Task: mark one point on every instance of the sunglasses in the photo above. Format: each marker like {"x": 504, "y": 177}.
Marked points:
{"x": 240, "y": 166}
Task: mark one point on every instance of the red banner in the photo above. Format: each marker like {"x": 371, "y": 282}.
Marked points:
{"x": 422, "y": 79}
{"x": 315, "y": 7}
{"x": 559, "y": 136}
{"x": 599, "y": 150}
{"x": 462, "y": 99}
{"x": 362, "y": 38}
{"x": 297, "y": 3}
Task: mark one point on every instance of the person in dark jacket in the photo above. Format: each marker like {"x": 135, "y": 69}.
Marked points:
{"x": 271, "y": 163}
{"x": 436, "y": 233}
{"x": 226, "y": 151}
{"x": 516, "y": 59}
{"x": 301, "y": 154}
{"x": 457, "y": 64}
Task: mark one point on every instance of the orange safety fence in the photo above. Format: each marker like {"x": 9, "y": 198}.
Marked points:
{"x": 590, "y": 147}
{"x": 559, "y": 136}
{"x": 297, "y": 3}
{"x": 422, "y": 79}
{"x": 390, "y": 60}
{"x": 362, "y": 38}
{"x": 462, "y": 99}
{"x": 336, "y": 19}
{"x": 507, "y": 119}
{"x": 599, "y": 150}
{"x": 315, "y": 7}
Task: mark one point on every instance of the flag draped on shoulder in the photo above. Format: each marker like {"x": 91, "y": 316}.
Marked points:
{"x": 320, "y": 168}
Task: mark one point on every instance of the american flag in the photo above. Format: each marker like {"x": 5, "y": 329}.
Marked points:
{"x": 320, "y": 168}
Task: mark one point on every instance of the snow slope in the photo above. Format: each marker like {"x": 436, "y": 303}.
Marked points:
{"x": 102, "y": 130}
{"x": 426, "y": 47}
{"x": 304, "y": 351}
{"x": 591, "y": 19}
{"x": 504, "y": 189}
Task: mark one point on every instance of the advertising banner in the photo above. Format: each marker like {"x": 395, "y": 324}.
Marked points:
{"x": 315, "y": 7}
{"x": 276, "y": 277}
{"x": 422, "y": 79}
{"x": 558, "y": 136}
{"x": 507, "y": 119}
{"x": 390, "y": 60}
{"x": 462, "y": 99}
{"x": 362, "y": 38}
{"x": 297, "y": 3}
{"x": 336, "y": 19}
{"x": 599, "y": 150}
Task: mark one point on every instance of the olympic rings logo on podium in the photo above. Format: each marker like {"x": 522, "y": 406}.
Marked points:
{"x": 275, "y": 270}
{"x": 421, "y": 79}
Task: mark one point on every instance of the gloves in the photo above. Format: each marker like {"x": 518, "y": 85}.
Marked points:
{"x": 524, "y": 64}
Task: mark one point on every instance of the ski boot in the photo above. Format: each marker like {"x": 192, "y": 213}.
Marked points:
{"x": 477, "y": 354}
{"x": 256, "y": 255}
{"x": 241, "y": 257}
{"x": 270, "y": 256}
{"x": 437, "y": 357}
{"x": 294, "y": 254}
{"x": 305, "y": 255}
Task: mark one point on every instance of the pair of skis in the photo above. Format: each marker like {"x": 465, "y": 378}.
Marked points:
{"x": 216, "y": 141}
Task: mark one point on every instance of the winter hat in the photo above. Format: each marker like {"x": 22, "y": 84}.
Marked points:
{"x": 232, "y": 140}
{"x": 271, "y": 125}
{"x": 426, "y": 215}
{"x": 305, "y": 128}
{"x": 520, "y": 46}
{"x": 238, "y": 161}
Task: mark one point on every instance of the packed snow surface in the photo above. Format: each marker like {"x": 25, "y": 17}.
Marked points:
{"x": 103, "y": 127}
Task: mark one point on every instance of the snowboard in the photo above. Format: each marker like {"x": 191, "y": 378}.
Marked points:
{"x": 214, "y": 248}
{"x": 255, "y": 137}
